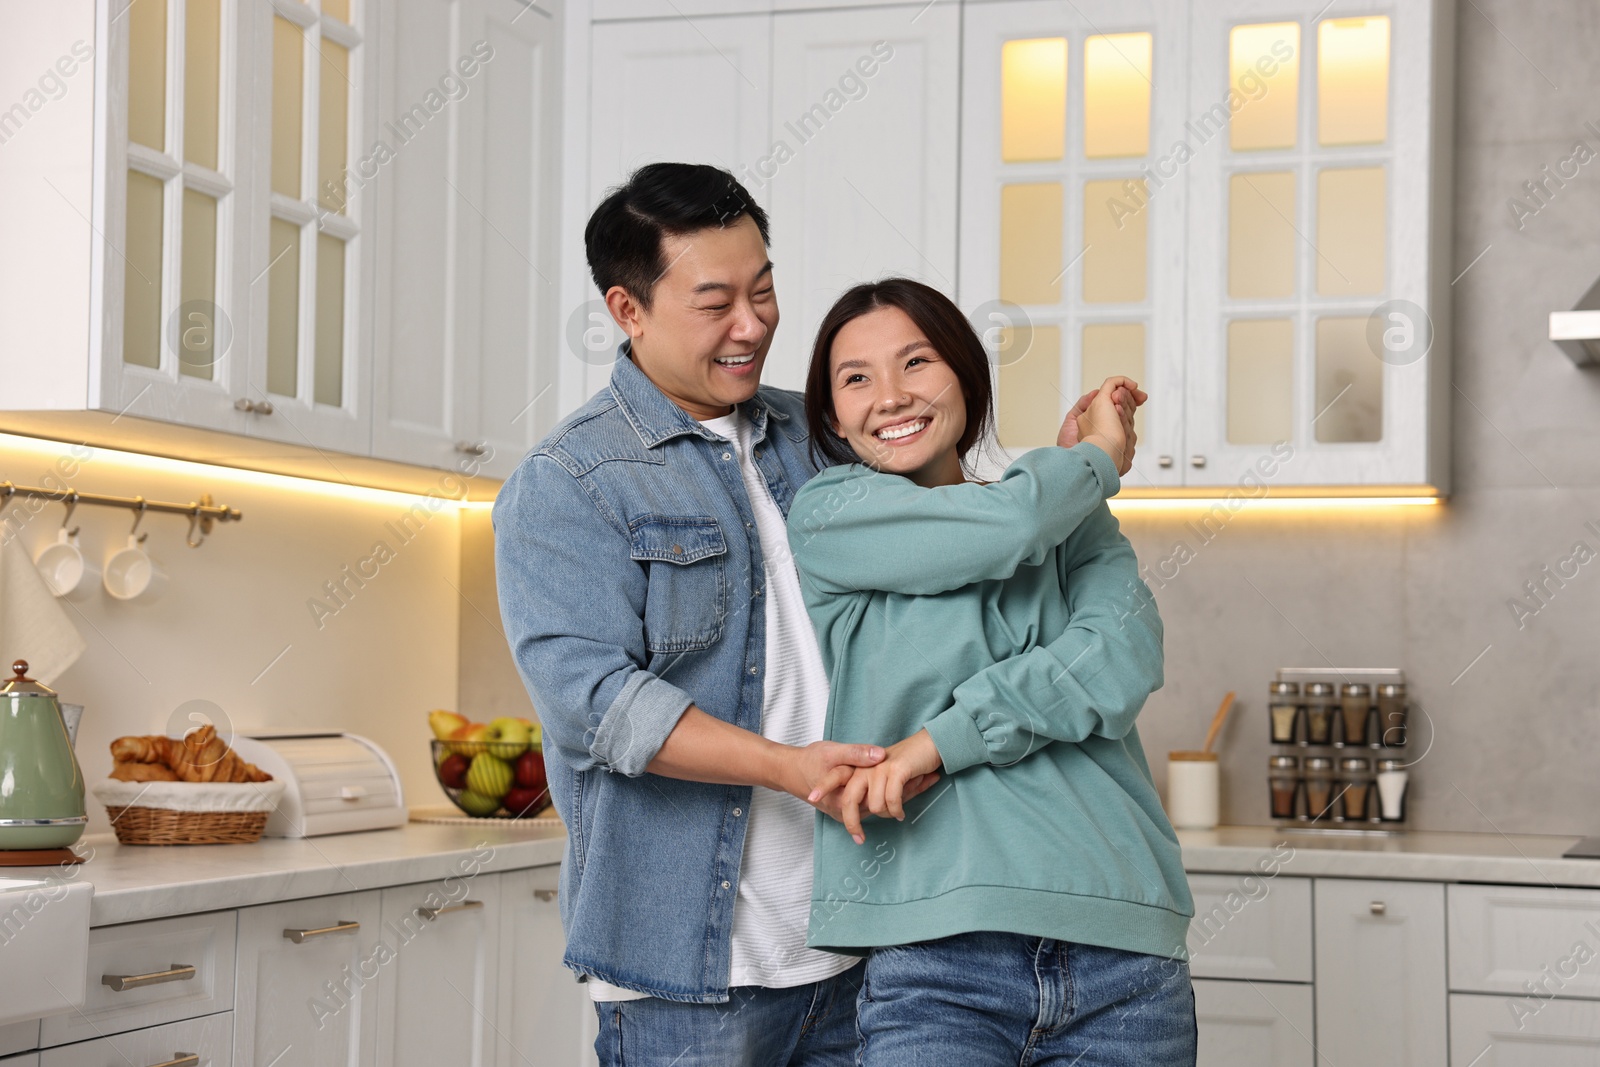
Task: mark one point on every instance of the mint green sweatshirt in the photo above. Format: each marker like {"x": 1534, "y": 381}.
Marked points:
{"x": 1009, "y": 620}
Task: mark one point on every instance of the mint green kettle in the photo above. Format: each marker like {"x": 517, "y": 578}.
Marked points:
{"x": 41, "y": 785}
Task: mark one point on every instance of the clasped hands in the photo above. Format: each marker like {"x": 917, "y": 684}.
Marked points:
{"x": 846, "y": 782}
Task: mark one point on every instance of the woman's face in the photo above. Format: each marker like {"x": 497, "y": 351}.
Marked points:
{"x": 896, "y": 400}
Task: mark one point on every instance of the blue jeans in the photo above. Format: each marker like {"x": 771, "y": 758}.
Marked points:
{"x": 991, "y": 999}
{"x": 806, "y": 1026}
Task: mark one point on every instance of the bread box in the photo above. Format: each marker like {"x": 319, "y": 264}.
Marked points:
{"x": 334, "y": 782}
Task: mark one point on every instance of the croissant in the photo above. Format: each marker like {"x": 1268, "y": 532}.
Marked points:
{"x": 127, "y": 771}
{"x": 148, "y": 749}
{"x": 200, "y": 756}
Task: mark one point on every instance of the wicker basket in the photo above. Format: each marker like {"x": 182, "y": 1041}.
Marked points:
{"x": 188, "y": 813}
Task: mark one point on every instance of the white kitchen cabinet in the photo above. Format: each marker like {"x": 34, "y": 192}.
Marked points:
{"x": 1254, "y": 1024}
{"x": 466, "y": 304}
{"x": 17, "y": 1037}
{"x": 1491, "y": 1032}
{"x": 437, "y": 992}
{"x": 1250, "y": 928}
{"x": 203, "y": 1042}
{"x": 546, "y": 1018}
{"x": 1381, "y": 987}
{"x": 1502, "y": 938}
{"x": 308, "y": 973}
{"x": 859, "y": 176}
{"x": 26, "y": 1059}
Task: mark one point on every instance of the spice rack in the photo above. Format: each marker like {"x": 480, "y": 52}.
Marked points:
{"x": 1339, "y": 740}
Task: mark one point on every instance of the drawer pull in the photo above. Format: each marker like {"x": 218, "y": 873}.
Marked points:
{"x": 183, "y": 1059}
{"x": 546, "y": 895}
{"x": 344, "y": 926}
{"x": 433, "y": 913}
{"x": 1379, "y": 907}
{"x": 178, "y": 972}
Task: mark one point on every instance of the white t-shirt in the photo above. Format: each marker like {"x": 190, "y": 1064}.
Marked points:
{"x": 774, "y": 902}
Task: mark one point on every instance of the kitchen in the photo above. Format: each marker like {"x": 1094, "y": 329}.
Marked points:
{"x": 379, "y": 220}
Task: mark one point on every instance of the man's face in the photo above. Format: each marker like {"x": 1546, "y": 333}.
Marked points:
{"x": 705, "y": 337}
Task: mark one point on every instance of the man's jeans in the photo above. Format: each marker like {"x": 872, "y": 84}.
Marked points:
{"x": 807, "y": 1026}
{"x": 1000, "y": 999}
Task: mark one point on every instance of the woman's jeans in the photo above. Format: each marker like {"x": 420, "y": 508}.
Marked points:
{"x": 988, "y": 1000}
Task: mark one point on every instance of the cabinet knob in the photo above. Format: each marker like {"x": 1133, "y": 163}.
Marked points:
{"x": 177, "y": 972}
{"x": 180, "y": 1059}
{"x": 344, "y": 926}
{"x": 546, "y": 895}
{"x": 253, "y": 407}
{"x": 1378, "y": 907}
{"x": 1197, "y": 461}
{"x": 1164, "y": 461}
{"x": 433, "y": 913}
{"x": 468, "y": 448}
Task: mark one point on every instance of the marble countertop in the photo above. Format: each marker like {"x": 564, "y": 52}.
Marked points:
{"x": 1415, "y": 855}
{"x": 134, "y": 882}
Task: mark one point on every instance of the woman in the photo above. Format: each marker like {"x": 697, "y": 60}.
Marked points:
{"x": 1032, "y": 906}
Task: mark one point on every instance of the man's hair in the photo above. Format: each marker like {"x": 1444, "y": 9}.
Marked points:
{"x": 623, "y": 237}
{"x": 946, "y": 329}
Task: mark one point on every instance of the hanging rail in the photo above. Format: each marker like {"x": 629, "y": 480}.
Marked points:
{"x": 203, "y": 513}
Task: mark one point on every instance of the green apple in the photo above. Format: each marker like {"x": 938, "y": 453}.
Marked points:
{"x": 489, "y": 776}
{"x": 478, "y": 804}
{"x": 511, "y": 737}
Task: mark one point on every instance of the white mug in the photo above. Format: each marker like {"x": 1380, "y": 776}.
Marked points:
{"x": 62, "y": 565}
{"x": 129, "y": 571}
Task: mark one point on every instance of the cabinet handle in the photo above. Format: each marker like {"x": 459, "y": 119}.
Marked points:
{"x": 182, "y": 1059}
{"x": 468, "y": 448}
{"x": 1164, "y": 461}
{"x": 433, "y": 913}
{"x": 1197, "y": 461}
{"x": 546, "y": 895}
{"x": 177, "y": 972}
{"x": 343, "y": 926}
{"x": 1378, "y": 907}
{"x": 252, "y": 407}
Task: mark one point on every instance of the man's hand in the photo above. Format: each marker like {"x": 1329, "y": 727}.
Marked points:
{"x": 804, "y": 768}
{"x": 910, "y": 767}
{"x": 1103, "y": 417}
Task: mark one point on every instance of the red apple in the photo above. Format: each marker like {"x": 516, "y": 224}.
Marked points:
{"x": 526, "y": 803}
{"x": 453, "y": 771}
{"x": 529, "y": 770}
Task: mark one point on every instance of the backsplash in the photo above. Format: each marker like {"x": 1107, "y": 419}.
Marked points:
{"x": 323, "y": 608}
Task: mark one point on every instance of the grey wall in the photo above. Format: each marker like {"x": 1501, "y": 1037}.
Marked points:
{"x": 1517, "y": 737}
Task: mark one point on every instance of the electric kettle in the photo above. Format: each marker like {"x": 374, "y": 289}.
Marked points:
{"x": 41, "y": 785}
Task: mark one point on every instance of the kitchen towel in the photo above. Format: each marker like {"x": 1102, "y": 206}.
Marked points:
{"x": 33, "y": 625}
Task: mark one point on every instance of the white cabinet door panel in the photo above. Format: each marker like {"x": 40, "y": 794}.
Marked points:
{"x": 208, "y": 1038}
{"x": 546, "y": 1017}
{"x": 1241, "y": 930}
{"x": 1254, "y": 1024}
{"x": 1523, "y": 1032}
{"x": 1503, "y": 937}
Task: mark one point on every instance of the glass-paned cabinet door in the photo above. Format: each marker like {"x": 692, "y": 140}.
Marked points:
{"x": 175, "y": 292}
{"x": 1314, "y": 280}
{"x": 314, "y": 111}
{"x": 1072, "y": 206}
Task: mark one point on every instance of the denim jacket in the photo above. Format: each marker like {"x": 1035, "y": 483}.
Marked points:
{"x": 630, "y": 577}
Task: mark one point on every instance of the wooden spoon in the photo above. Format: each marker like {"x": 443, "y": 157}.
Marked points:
{"x": 1216, "y": 721}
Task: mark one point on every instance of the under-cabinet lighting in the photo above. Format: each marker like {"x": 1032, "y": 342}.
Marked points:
{"x": 1268, "y": 503}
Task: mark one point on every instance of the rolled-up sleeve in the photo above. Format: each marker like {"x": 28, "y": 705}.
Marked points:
{"x": 572, "y": 600}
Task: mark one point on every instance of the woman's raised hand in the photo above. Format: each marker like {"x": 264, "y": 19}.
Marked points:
{"x": 1104, "y": 417}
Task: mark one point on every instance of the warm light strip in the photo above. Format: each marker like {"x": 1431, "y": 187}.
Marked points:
{"x": 1270, "y": 503}
{"x": 189, "y": 467}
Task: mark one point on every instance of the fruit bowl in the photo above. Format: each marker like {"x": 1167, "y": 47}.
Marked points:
{"x": 481, "y": 781}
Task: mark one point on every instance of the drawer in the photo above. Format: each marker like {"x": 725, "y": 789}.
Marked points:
{"x": 1503, "y": 937}
{"x": 19, "y": 1037}
{"x": 208, "y": 1039}
{"x": 1484, "y": 1032}
{"x": 1243, "y": 1024}
{"x": 1248, "y": 926}
{"x": 204, "y": 942}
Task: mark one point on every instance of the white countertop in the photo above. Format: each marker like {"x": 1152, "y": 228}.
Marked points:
{"x": 1415, "y": 855}
{"x": 146, "y": 882}
{"x": 134, "y": 882}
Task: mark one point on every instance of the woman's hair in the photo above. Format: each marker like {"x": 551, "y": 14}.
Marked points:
{"x": 946, "y": 329}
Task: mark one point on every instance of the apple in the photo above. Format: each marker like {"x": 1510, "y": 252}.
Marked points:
{"x": 530, "y": 772}
{"x": 489, "y": 775}
{"x": 453, "y": 771}
{"x": 511, "y": 737}
{"x": 478, "y": 804}
{"x": 445, "y": 723}
{"x": 470, "y": 739}
{"x": 526, "y": 803}
{"x": 537, "y": 743}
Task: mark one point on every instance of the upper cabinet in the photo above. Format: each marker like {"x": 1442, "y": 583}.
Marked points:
{"x": 1244, "y": 206}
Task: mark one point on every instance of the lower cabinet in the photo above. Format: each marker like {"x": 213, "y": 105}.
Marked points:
{"x": 307, "y": 983}
{"x": 1254, "y": 1024}
{"x": 203, "y": 1042}
{"x": 26, "y": 1059}
{"x": 1485, "y": 1031}
{"x": 546, "y": 1015}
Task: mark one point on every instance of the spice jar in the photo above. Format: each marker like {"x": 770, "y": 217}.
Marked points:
{"x": 1320, "y": 704}
{"x": 1393, "y": 779}
{"x": 1283, "y": 777}
{"x": 1319, "y": 786}
{"x": 1392, "y": 714}
{"x": 1284, "y": 706}
{"x": 1355, "y": 789}
{"x": 1356, "y": 697}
